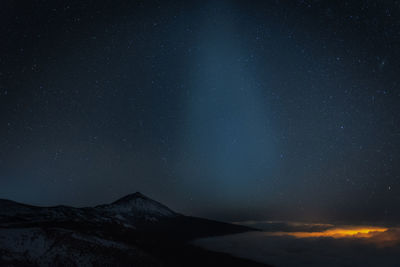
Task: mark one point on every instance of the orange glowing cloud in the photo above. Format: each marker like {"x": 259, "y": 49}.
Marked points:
{"x": 344, "y": 232}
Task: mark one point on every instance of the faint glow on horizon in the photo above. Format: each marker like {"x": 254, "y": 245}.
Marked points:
{"x": 340, "y": 232}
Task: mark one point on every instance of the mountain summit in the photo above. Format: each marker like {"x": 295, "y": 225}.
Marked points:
{"x": 131, "y": 196}
{"x": 136, "y": 206}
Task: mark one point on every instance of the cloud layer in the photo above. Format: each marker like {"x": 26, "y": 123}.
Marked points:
{"x": 378, "y": 247}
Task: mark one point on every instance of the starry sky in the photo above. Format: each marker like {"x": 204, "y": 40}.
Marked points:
{"x": 232, "y": 110}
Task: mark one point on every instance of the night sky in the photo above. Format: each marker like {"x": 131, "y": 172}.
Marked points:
{"x": 232, "y": 110}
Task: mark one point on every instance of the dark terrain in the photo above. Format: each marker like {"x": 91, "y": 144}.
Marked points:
{"x": 132, "y": 231}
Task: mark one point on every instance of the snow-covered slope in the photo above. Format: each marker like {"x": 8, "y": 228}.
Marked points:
{"x": 62, "y": 247}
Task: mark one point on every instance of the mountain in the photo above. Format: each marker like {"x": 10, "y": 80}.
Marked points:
{"x": 135, "y": 207}
{"x": 132, "y": 231}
